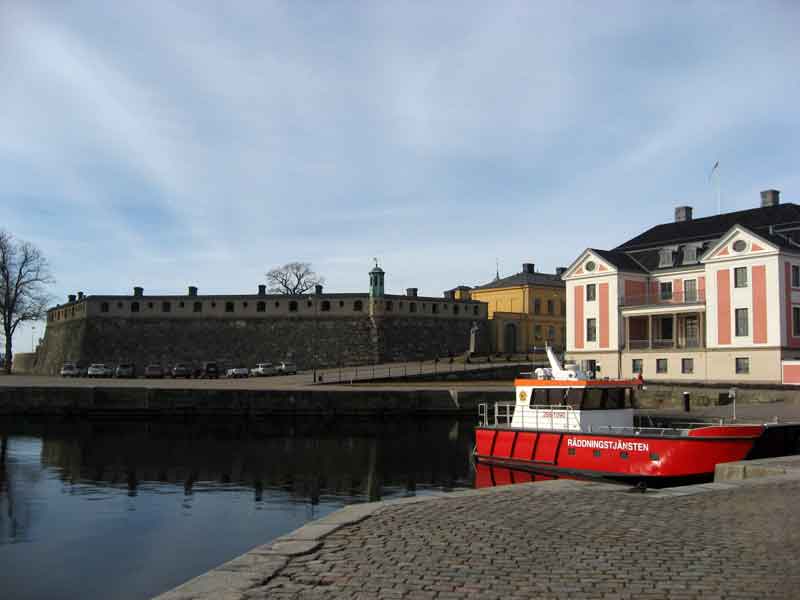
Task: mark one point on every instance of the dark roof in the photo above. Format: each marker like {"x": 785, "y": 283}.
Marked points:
{"x": 708, "y": 228}
{"x": 622, "y": 261}
{"x": 523, "y": 279}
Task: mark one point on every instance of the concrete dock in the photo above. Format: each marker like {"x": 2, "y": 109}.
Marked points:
{"x": 738, "y": 538}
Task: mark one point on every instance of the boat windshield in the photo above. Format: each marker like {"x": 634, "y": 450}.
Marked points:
{"x": 584, "y": 399}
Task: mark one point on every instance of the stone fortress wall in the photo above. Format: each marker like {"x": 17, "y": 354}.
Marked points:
{"x": 315, "y": 330}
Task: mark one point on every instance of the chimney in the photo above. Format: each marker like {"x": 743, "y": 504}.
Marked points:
{"x": 262, "y": 290}
{"x": 318, "y": 289}
{"x": 560, "y": 271}
{"x": 71, "y": 298}
{"x": 138, "y": 291}
{"x": 192, "y": 290}
{"x": 683, "y": 213}
{"x": 80, "y": 295}
{"x": 528, "y": 268}
{"x": 411, "y": 292}
{"x": 770, "y": 198}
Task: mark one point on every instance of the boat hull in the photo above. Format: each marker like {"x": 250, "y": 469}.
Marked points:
{"x": 618, "y": 456}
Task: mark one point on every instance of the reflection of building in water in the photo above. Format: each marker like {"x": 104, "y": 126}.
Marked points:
{"x": 346, "y": 458}
{"x": 16, "y": 481}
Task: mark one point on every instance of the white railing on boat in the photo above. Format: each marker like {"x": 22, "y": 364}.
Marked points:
{"x": 504, "y": 415}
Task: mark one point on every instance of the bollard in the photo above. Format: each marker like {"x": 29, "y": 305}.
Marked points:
{"x": 686, "y": 402}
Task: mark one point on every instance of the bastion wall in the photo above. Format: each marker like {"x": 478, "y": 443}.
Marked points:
{"x": 309, "y": 341}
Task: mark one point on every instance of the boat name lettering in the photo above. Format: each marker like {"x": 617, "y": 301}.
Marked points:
{"x": 608, "y": 445}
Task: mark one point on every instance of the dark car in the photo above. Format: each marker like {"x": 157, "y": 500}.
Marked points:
{"x": 210, "y": 370}
{"x": 153, "y": 372}
{"x": 125, "y": 370}
{"x": 182, "y": 370}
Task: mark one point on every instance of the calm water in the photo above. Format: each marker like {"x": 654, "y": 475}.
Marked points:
{"x": 129, "y": 510}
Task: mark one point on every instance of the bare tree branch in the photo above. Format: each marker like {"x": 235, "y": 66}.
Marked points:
{"x": 293, "y": 278}
{"x": 24, "y": 274}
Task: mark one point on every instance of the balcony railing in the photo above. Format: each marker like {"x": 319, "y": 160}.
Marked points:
{"x": 659, "y": 343}
{"x": 659, "y": 299}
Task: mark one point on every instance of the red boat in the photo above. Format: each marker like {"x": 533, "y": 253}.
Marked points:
{"x": 565, "y": 423}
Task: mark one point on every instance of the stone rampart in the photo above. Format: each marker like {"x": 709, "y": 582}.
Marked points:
{"x": 310, "y": 341}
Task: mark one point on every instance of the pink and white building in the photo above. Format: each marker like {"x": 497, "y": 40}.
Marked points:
{"x": 713, "y": 299}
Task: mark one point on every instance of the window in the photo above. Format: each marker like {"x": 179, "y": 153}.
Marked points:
{"x": 474, "y": 310}
{"x": 591, "y": 292}
{"x": 740, "y": 277}
{"x": 550, "y": 307}
{"x": 229, "y": 307}
{"x": 537, "y": 331}
{"x": 687, "y": 366}
{"x": 690, "y": 290}
{"x": 244, "y": 304}
{"x": 166, "y": 307}
{"x": 455, "y": 310}
{"x": 119, "y": 304}
{"x": 551, "y": 333}
{"x": 537, "y": 306}
{"x": 181, "y": 304}
{"x": 213, "y": 305}
{"x": 739, "y": 246}
{"x": 134, "y": 307}
{"x": 636, "y": 365}
{"x": 197, "y": 307}
{"x": 293, "y": 306}
{"x": 796, "y": 321}
{"x": 412, "y": 307}
{"x": 309, "y": 303}
{"x": 591, "y": 330}
{"x": 796, "y": 276}
{"x": 666, "y": 290}
{"x": 666, "y": 257}
{"x": 434, "y": 308}
{"x": 661, "y": 365}
{"x": 104, "y": 307}
{"x": 741, "y": 322}
{"x": 149, "y": 305}
{"x": 326, "y": 306}
{"x": 742, "y": 366}
{"x": 358, "y": 306}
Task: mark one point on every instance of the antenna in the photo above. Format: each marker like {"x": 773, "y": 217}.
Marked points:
{"x": 715, "y": 171}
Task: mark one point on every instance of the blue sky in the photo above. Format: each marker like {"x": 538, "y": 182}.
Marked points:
{"x": 168, "y": 144}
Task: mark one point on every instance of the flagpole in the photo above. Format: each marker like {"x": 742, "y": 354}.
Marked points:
{"x": 719, "y": 194}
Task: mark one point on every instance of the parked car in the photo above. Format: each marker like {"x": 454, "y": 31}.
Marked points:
{"x": 69, "y": 369}
{"x": 125, "y": 370}
{"x": 182, "y": 370}
{"x": 286, "y": 368}
{"x": 210, "y": 370}
{"x": 153, "y": 372}
{"x": 236, "y": 372}
{"x": 83, "y": 369}
{"x": 99, "y": 370}
{"x": 263, "y": 370}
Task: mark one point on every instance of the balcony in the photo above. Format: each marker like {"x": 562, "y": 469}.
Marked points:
{"x": 665, "y": 332}
{"x": 659, "y": 299}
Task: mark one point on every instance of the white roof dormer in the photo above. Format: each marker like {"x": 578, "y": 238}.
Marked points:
{"x": 738, "y": 242}
{"x": 588, "y": 264}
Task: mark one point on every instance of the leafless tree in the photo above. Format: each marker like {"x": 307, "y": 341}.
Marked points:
{"x": 24, "y": 274}
{"x": 293, "y": 278}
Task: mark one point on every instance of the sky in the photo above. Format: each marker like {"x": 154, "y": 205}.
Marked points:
{"x": 168, "y": 144}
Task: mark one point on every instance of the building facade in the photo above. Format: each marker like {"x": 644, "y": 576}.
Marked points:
{"x": 315, "y": 330}
{"x": 715, "y": 299}
{"x": 526, "y": 310}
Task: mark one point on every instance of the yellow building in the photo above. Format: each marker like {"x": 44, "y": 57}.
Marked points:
{"x": 526, "y": 310}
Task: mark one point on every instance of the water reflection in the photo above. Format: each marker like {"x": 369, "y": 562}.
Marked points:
{"x": 143, "y": 506}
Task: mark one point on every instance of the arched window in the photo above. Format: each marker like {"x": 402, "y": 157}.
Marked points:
{"x": 134, "y": 307}
{"x": 358, "y": 306}
{"x": 261, "y": 307}
{"x": 119, "y": 304}
{"x": 455, "y": 310}
{"x": 341, "y": 303}
{"x": 412, "y": 307}
{"x": 326, "y": 306}
{"x": 198, "y": 307}
{"x": 550, "y": 307}
{"x": 104, "y": 307}
{"x": 389, "y": 306}
{"x": 229, "y": 307}
{"x": 434, "y": 308}
{"x": 309, "y": 303}
{"x": 149, "y": 305}
{"x": 166, "y": 307}
{"x": 292, "y": 306}
{"x": 537, "y": 306}
{"x": 277, "y": 305}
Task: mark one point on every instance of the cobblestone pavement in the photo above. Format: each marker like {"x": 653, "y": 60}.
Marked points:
{"x": 584, "y": 541}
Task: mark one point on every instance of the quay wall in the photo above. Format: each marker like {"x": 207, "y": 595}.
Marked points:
{"x": 309, "y": 341}
{"x": 704, "y": 395}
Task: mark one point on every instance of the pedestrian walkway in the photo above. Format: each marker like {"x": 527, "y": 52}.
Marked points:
{"x": 558, "y": 539}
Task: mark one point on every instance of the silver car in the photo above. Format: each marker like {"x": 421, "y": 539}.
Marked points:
{"x": 286, "y": 368}
{"x": 69, "y": 370}
{"x": 99, "y": 370}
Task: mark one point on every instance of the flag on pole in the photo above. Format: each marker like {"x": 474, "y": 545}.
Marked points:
{"x": 713, "y": 169}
